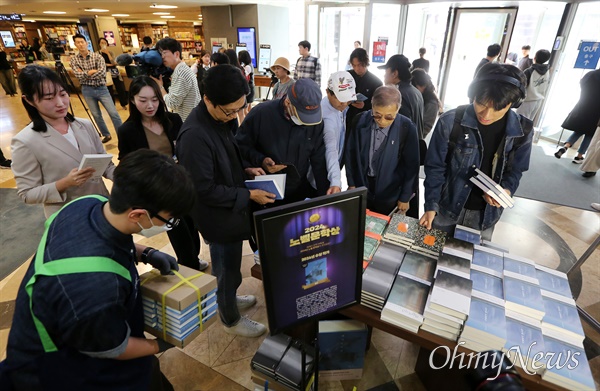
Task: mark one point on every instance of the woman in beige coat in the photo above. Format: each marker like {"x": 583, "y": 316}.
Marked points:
{"x": 46, "y": 154}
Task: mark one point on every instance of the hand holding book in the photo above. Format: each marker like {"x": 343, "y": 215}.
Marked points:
{"x": 76, "y": 177}
{"x": 492, "y": 201}
{"x": 253, "y": 172}
{"x": 262, "y": 197}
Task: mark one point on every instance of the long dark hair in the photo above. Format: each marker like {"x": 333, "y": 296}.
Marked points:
{"x": 134, "y": 114}
{"x": 31, "y": 83}
{"x": 244, "y": 57}
{"x": 233, "y": 58}
{"x": 421, "y": 78}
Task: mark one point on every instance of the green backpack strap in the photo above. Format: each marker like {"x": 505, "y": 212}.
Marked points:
{"x": 66, "y": 266}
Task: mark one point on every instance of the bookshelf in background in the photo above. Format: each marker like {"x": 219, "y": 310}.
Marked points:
{"x": 159, "y": 32}
{"x": 20, "y": 33}
{"x": 125, "y": 30}
{"x": 198, "y": 37}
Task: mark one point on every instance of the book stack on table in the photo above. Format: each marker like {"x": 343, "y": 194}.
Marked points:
{"x": 379, "y": 275}
{"x": 184, "y": 315}
{"x": 375, "y": 224}
{"x": 256, "y": 257}
{"x": 406, "y": 232}
{"x": 277, "y": 365}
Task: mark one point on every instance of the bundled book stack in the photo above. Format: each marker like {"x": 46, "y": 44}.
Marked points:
{"x": 277, "y": 365}
{"x": 491, "y": 188}
{"x": 378, "y": 277}
{"x": 375, "y": 224}
{"x": 406, "y": 232}
{"x": 256, "y": 258}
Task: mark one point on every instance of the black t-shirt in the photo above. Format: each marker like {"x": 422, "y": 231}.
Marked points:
{"x": 491, "y": 136}
{"x": 366, "y": 85}
{"x": 421, "y": 63}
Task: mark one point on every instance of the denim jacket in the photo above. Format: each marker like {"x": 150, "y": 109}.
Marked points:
{"x": 447, "y": 187}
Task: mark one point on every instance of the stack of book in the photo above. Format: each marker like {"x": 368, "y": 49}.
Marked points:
{"x": 524, "y": 342}
{"x": 342, "y": 348}
{"x": 406, "y": 302}
{"x": 523, "y": 295}
{"x": 277, "y": 365}
{"x": 459, "y": 248}
{"x": 485, "y": 329}
{"x": 467, "y": 234}
{"x": 491, "y": 188}
{"x": 379, "y": 275}
{"x": 450, "y": 295}
{"x": 488, "y": 258}
{"x": 406, "y": 232}
{"x": 371, "y": 244}
{"x": 418, "y": 265}
{"x": 256, "y": 258}
{"x": 568, "y": 367}
{"x": 561, "y": 319}
{"x": 487, "y": 282}
{"x": 429, "y": 242}
{"x": 553, "y": 281}
{"x": 453, "y": 262}
{"x": 376, "y": 223}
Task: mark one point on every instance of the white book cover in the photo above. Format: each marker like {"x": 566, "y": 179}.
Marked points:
{"x": 441, "y": 317}
{"x": 98, "y": 162}
{"x": 483, "y": 186}
{"x": 451, "y": 294}
{"x": 491, "y": 182}
{"x": 441, "y": 333}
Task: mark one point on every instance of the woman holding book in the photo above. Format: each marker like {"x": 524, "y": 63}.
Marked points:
{"x": 47, "y": 153}
{"x": 151, "y": 126}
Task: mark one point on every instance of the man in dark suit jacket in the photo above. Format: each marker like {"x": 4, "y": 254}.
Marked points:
{"x": 207, "y": 149}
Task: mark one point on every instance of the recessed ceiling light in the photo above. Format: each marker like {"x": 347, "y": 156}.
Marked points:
{"x": 161, "y": 13}
{"x": 168, "y": 17}
{"x": 95, "y": 10}
{"x": 120, "y": 15}
{"x": 54, "y": 12}
{"x": 162, "y": 6}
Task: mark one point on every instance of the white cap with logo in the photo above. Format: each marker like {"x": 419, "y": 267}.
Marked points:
{"x": 343, "y": 86}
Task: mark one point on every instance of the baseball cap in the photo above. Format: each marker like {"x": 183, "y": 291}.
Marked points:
{"x": 397, "y": 61}
{"x": 343, "y": 86}
{"x": 282, "y": 62}
{"x": 305, "y": 96}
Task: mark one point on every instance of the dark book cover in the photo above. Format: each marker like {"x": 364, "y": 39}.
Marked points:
{"x": 431, "y": 240}
{"x": 454, "y": 264}
{"x": 271, "y": 351}
{"x": 388, "y": 258}
{"x": 342, "y": 345}
{"x": 402, "y": 227}
{"x": 418, "y": 265}
{"x": 290, "y": 366}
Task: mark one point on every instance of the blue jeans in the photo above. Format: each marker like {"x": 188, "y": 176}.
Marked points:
{"x": 587, "y": 139}
{"x": 226, "y": 261}
{"x": 468, "y": 218}
{"x": 92, "y": 96}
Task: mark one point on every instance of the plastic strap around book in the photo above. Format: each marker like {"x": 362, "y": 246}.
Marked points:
{"x": 184, "y": 280}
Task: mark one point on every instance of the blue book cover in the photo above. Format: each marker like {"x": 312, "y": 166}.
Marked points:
{"x": 568, "y": 362}
{"x": 523, "y": 292}
{"x": 467, "y": 234}
{"x": 273, "y": 183}
{"x": 489, "y": 258}
{"x": 487, "y": 317}
{"x": 520, "y": 266}
{"x": 553, "y": 281}
{"x": 524, "y": 338}
{"x": 562, "y": 315}
{"x": 487, "y": 283}
{"x": 342, "y": 344}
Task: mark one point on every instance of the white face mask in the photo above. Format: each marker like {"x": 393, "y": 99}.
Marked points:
{"x": 154, "y": 230}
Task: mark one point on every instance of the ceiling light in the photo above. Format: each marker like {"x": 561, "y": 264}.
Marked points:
{"x": 54, "y": 12}
{"x": 162, "y": 6}
{"x": 161, "y": 13}
{"x": 120, "y": 15}
{"x": 168, "y": 16}
{"x": 95, "y": 10}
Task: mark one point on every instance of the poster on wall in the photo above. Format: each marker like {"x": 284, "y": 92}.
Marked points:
{"x": 110, "y": 38}
{"x": 7, "y": 39}
{"x": 264, "y": 57}
{"x": 247, "y": 35}
{"x": 83, "y": 30}
{"x": 311, "y": 256}
{"x": 379, "y": 48}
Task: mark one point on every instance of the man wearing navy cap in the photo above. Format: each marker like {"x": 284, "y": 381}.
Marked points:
{"x": 286, "y": 136}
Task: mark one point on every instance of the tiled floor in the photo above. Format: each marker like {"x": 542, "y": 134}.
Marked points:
{"x": 552, "y": 235}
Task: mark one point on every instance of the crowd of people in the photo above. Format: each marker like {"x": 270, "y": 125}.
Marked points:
{"x": 184, "y": 154}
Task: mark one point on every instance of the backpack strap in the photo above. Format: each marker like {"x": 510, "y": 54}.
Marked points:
{"x": 456, "y": 131}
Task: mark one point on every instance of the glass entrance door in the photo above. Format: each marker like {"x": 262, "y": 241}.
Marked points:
{"x": 473, "y": 30}
{"x": 339, "y": 27}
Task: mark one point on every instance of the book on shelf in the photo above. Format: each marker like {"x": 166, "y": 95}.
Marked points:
{"x": 523, "y": 295}
{"x": 568, "y": 367}
{"x": 489, "y": 258}
{"x": 553, "y": 281}
{"x": 451, "y": 263}
{"x": 376, "y": 222}
{"x": 458, "y": 247}
{"x": 487, "y": 281}
{"x": 99, "y": 162}
{"x": 524, "y": 340}
{"x": 418, "y": 265}
{"x": 451, "y": 294}
{"x": 272, "y": 183}
{"x": 486, "y": 324}
{"x": 519, "y": 265}
{"x": 467, "y": 234}
{"x": 342, "y": 348}
{"x": 406, "y": 302}
{"x": 561, "y": 318}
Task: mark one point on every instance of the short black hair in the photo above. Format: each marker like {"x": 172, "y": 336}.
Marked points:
{"x": 358, "y": 42}
{"x": 526, "y": 47}
{"x": 224, "y": 84}
{"x": 493, "y": 50}
{"x": 147, "y": 40}
{"x": 102, "y": 39}
{"x": 541, "y": 56}
{"x": 361, "y": 55}
{"x": 304, "y": 44}
{"x": 153, "y": 181}
{"x": 422, "y": 51}
{"x": 169, "y": 44}
{"x": 497, "y": 92}
{"x": 244, "y": 57}
{"x": 78, "y": 36}
{"x": 219, "y": 58}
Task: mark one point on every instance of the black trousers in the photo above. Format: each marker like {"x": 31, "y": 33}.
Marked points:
{"x": 186, "y": 242}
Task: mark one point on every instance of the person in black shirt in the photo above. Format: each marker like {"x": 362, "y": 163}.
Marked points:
{"x": 493, "y": 51}
{"x": 421, "y": 62}
{"x": 27, "y": 51}
{"x": 7, "y": 79}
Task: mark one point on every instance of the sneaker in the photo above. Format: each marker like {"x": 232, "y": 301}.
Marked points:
{"x": 203, "y": 265}
{"x": 6, "y": 164}
{"x": 588, "y": 174}
{"x": 560, "y": 152}
{"x": 247, "y": 328}
{"x": 106, "y": 139}
{"x": 245, "y": 301}
{"x": 578, "y": 160}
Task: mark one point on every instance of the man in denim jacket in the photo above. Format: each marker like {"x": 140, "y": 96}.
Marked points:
{"x": 490, "y": 137}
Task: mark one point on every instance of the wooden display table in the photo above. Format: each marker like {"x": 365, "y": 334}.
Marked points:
{"x": 424, "y": 339}
{"x": 262, "y": 81}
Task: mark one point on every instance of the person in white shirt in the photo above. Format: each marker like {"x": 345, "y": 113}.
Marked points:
{"x": 183, "y": 94}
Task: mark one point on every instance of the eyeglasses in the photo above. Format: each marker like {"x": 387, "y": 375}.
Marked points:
{"x": 171, "y": 223}
{"x": 229, "y": 114}
{"x": 388, "y": 117}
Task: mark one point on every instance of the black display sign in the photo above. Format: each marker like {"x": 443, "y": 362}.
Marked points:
{"x": 11, "y": 17}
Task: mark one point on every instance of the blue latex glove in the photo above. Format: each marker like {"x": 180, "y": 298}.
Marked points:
{"x": 161, "y": 261}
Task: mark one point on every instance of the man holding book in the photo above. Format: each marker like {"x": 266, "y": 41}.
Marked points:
{"x": 484, "y": 135}
{"x": 207, "y": 148}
